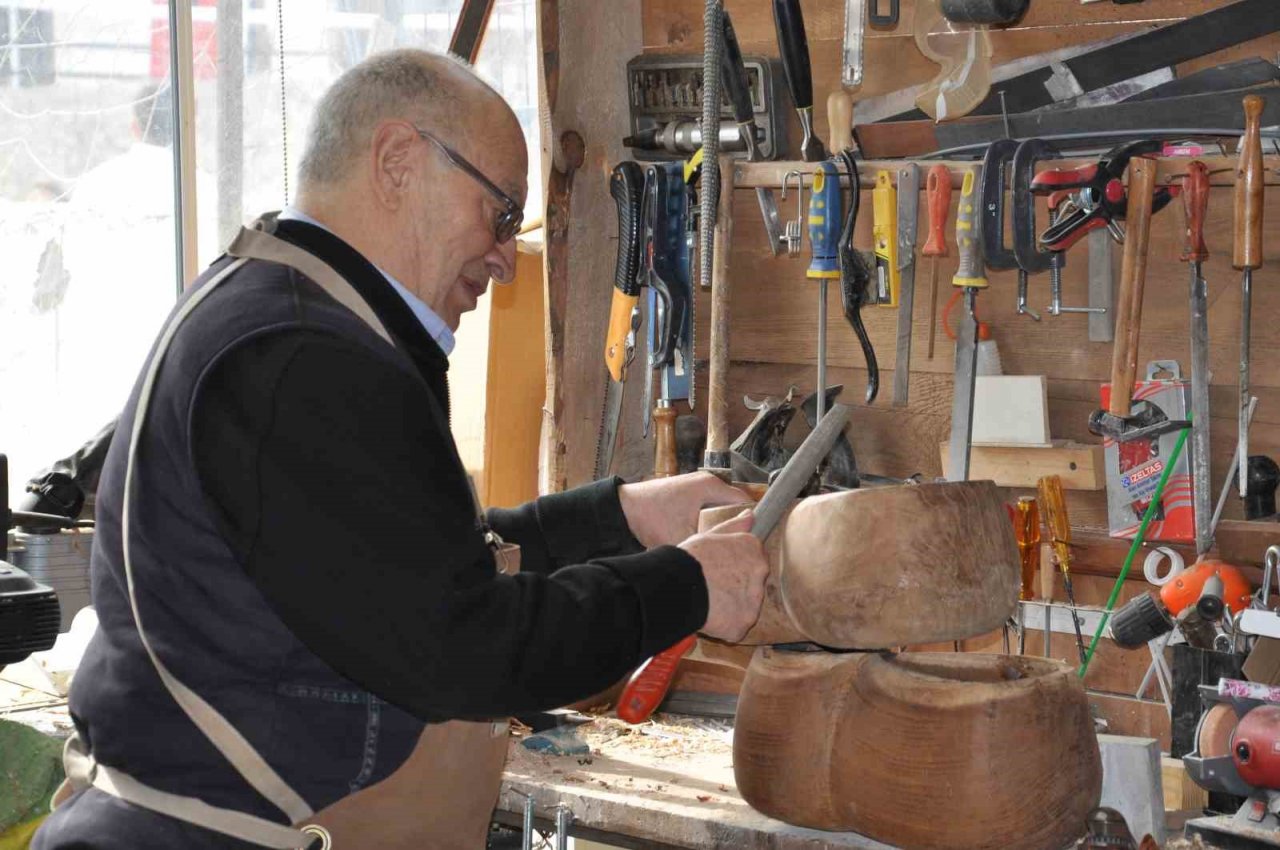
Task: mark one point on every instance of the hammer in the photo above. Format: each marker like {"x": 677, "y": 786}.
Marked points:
{"x": 1118, "y": 421}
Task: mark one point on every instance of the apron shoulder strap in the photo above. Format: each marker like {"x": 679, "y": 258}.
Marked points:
{"x": 257, "y": 242}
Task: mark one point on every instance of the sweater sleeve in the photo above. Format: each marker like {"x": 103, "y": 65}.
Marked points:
{"x": 347, "y": 506}
{"x": 567, "y": 528}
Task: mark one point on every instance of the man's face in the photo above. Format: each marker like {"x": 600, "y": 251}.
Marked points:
{"x": 465, "y": 252}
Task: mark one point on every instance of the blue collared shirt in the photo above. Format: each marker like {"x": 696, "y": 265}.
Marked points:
{"x": 433, "y": 324}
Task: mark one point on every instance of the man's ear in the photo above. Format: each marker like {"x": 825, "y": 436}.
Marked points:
{"x": 392, "y": 161}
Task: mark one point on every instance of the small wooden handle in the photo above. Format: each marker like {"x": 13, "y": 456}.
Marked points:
{"x": 938, "y": 192}
{"x": 1249, "y": 187}
{"x": 1195, "y": 203}
{"x": 840, "y": 119}
{"x": 1133, "y": 279}
{"x": 664, "y": 439}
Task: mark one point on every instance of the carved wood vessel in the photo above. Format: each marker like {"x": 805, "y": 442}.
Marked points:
{"x": 887, "y": 566}
{"x": 929, "y": 751}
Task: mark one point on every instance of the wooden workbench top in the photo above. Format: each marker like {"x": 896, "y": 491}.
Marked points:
{"x": 668, "y": 782}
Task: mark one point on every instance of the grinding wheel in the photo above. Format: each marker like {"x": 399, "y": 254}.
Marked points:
{"x": 888, "y": 566}
{"x": 1213, "y": 735}
{"x": 932, "y": 751}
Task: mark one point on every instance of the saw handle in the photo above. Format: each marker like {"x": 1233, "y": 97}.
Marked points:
{"x": 648, "y": 686}
{"x": 938, "y": 194}
{"x": 1133, "y": 279}
{"x": 1195, "y": 203}
{"x": 1249, "y": 187}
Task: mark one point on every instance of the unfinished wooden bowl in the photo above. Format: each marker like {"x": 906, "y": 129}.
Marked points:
{"x": 887, "y": 566}
{"x": 928, "y": 751}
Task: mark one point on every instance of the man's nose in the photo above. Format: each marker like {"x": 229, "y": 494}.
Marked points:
{"x": 501, "y": 261}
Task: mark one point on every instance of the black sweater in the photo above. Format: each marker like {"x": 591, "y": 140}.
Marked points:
{"x": 326, "y": 466}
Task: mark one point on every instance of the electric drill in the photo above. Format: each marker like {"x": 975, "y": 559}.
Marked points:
{"x": 1193, "y": 600}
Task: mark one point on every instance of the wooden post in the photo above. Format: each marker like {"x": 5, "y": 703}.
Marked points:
{"x": 717, "y": 457}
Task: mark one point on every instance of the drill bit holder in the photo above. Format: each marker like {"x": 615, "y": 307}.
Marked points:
{"x": 665, "y": 98}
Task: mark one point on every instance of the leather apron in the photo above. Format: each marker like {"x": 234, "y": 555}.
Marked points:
{"x": 441, "y": 798}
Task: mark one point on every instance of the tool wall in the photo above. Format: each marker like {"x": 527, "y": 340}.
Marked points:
{"x": 774, "y": 312}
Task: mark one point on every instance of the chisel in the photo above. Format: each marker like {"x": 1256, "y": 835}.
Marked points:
{"x": 1195, "y": 202}
{"x": 737, "y": 87}
{"x": 971, "y": 277}
{"x": 938, "y": 195}
{"x": 1247, "y": 254}
{"x": 793, "y": 46}
{"x": 908, "y": 211}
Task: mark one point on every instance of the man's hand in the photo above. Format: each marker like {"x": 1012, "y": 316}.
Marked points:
{"x": 735, "y": 568}
{"x": 664, "y": 511}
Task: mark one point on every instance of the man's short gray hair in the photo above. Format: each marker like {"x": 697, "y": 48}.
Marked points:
{"x": 408, "y": 83}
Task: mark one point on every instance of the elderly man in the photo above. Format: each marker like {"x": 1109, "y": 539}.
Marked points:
{"x": 290, "y": 572}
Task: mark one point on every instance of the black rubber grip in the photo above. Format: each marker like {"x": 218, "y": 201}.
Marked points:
{"x": 793, "y": 46}
{"x": 733, "y": 74}
{"x": 1141, "y": 620}
{"x": 626, "y": 185}
{"x": 984, "y": 11}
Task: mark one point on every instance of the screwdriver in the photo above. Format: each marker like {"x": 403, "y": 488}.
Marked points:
{"x": 1026, "y": 528}
{"x": 1247, "y": 255}
{"x": 938, "y": 192}
{"x": 1054, "y": 506}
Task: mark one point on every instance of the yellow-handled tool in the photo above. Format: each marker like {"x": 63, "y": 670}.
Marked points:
{"x": 884, "y": 233}
{"x": 1053, "y": 504}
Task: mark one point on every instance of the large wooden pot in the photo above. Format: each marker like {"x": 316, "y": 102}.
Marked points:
{"x": 887, "y": 567}
{"x": 927, "y": 751}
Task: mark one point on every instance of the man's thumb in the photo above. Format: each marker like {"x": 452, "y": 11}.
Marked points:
{"x": 739, "y": 524}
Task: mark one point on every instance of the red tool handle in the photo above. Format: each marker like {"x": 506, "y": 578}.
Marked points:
{"x": 1247, "y": 253}
{"x": 1053, "y": 179}
{"x": 938, "y": 192}
{"x": 651, "y": 681}
{"x": 1195, "y": 202}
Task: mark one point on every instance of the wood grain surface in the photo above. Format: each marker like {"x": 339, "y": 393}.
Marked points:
{"x": 932, "y": 751}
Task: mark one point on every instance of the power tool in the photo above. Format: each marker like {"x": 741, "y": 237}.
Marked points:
{"x": 1193, "y": 600}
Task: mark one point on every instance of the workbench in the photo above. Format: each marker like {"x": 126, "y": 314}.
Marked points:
{"x": 668, "y": 783}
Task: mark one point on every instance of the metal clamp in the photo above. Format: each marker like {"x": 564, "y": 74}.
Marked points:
{"x": 793, "y": 236}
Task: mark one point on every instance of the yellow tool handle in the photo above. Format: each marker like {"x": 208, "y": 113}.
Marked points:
{"x": 1053, "y": 505}
{"x": 1027, "y": 528}
{"x": 971, "y": 271}
{"x": 621, "y": 313}
{"x": 884, "y": 233}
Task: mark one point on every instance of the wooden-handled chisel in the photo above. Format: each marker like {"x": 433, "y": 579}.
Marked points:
{"x": 1247, "y": 254}
{"x": 1195, "y": 203}
{"x": 793, "y": 46}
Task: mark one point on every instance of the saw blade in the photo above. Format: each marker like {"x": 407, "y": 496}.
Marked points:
{"x": 608, "y": 436}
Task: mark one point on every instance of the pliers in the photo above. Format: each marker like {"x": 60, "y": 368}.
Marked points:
{"x": 1094, "y": 196}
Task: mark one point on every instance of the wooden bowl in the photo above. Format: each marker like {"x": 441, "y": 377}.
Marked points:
{"x": 929, "y": 751}
{"x": 888, "y": 566}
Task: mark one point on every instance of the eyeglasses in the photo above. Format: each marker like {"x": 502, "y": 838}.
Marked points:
{"x": 509, "y": 220}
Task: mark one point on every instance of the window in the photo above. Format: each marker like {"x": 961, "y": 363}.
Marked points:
{"x": 86, "y": 217}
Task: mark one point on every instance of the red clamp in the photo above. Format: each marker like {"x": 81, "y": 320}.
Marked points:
{"x": 1094, "y": 196}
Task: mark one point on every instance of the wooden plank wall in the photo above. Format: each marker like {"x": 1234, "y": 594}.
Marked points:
{"x": 774, "y": 308}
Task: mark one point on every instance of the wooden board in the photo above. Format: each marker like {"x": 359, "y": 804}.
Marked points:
{"x": 1010, "y": 410}
{"x": 669, "y": 783}
{"x": 1079, "y": 466}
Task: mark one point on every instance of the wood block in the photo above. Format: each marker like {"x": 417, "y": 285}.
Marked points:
{"x": 1180, "y": 793}
{"x": 1080, "y": 465}
{"x": 999, "y": 750}
{"x": 1011, "y": 410}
